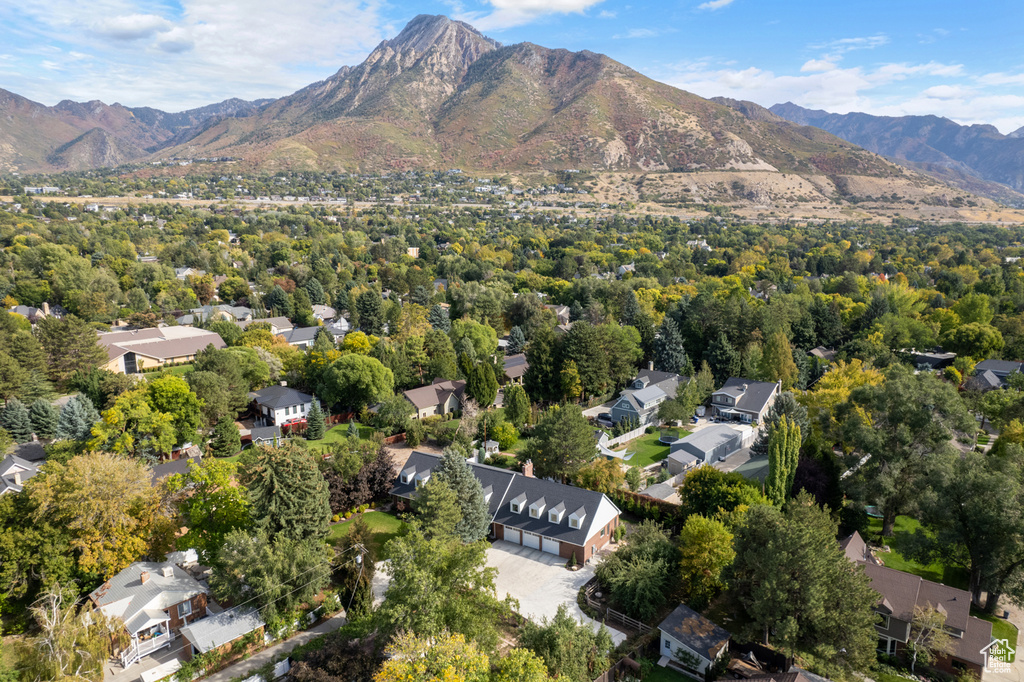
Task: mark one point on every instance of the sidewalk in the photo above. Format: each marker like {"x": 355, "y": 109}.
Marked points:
{"x": 244, "y": 668}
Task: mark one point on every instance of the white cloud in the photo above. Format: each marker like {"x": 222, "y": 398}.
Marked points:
{"x": 605, "y": 14}
{"x": 715, "y": 4}
{"x": 642, "y": 33}
{"x": 131, "y": 26}
{"x": 509, "y": 13}
{"x": 843, "y": 45}
{"x": 947, "y": 92}
{"x": 817, "y": 65}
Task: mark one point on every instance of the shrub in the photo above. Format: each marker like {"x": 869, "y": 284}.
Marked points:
{"x": 335, "y": 518}
{"x": 348, "y": 515}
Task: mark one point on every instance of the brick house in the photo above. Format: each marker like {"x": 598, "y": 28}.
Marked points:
{"x": 545, "y": 515}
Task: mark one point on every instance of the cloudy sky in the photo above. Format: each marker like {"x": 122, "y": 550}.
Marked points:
{"x": 953, "y": 58}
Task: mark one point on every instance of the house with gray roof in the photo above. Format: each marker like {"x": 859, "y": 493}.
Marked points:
{"x": 998, "y": 369}
{"x": 744, "y": 400}
{"x": 692, "y": 642}
{"x": 439, "y": 397}
{"x": 301, "y": 337}
{"x": 278, "y": 405}
{"x": 14, "y": 471}
{"x": 537, "y": 513}
{"x": 230, "y": 313}
{"x": 219, "y": 631}
{"x": 515, "y": 368}
{"x": 130, "y": 352}
{"x": 153, "y": 601}
{"x": 640, "y": 400}
{"x": 711, "y": 444}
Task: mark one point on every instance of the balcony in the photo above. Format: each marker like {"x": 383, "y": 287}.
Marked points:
{"x": 138, "y": 649}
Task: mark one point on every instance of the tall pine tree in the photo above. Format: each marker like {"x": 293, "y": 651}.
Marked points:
{"x": 723, "y": 358}
{"x": 456, "y": 472}
{"x": 669, "y": 353}
{"x": 542, "y": 378}
{"x": 76, "y": 419}
{"x": 289, "y": 495}
{"x": 44, "y": 418}
{"x": 438, "y": 319}
{"x": 315, "y": 426}
{"x": 226, "y": 440}
{"x": 15, "y": 420}
{"x": 516, "y": 341}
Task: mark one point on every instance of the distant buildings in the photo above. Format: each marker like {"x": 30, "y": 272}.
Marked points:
{"x": 131, "y": 352}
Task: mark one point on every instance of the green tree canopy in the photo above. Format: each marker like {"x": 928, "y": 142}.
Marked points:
{"x": 288, "y": 494}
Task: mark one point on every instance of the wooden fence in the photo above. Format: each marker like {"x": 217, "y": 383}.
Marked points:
{"x": 633, "y": 623}
{"x": 625, "y": 666}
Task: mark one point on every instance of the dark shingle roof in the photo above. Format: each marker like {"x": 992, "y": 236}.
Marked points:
{"x": 435, "y": 393}
{"x": 276, "y": 397}
{"x": 753, "y": 398}
{"x": 516, "y": 366}
{"x": 999, "y": 367}
{"x": 688, "y": 627}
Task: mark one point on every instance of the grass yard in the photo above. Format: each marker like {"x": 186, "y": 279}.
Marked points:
{"x": 983, "y": 439}
{"x": 646, "y": 449}
{"x": 1001, "y": 629}
{"x": 383, "y": 525}
{"x": 338, "y": 433}
{"x": 906, "y": 526}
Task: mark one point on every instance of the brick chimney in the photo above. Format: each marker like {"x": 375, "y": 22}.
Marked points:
{"x": 528, "y": 468}
{"x": 46, "y": 309}
{"x": 144, "y": 577}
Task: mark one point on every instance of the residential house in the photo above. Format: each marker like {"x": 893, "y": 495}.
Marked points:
{"x": 515, "y": 368}
{"x": 1000, "y": 369}
{"x": 153, "y": 601}
{"x": 184, "y": 273}
{"x": 277, "y": 405}
{"x": 824, "y": 354}
{"x": 537, "y": 513}
{"x": 561, "y": 313}
{"x": 301, "y": 337}
{"x": 710, "y": 444}
{"x": 278, "y": 325}
{"x": 34, "y": 314}
{"x": 14, "y": 471}
{"x": 623, "y": 269}
{"x": 744, "y": 400}
{"x": 691, "y": 641}
{"x": 324, "y": 313}
{"x": 645, "y": 393}
{"x": 901, "y": 592}
{"x": 930, "y": 360}
{"x": 231, "y": 313}
{"x": 130, "y": 352}
{"x": 440, "y": 284}
{"x": 440, "y": 397}
{"x": 218, "y": 632}
{"x": 263, "y": 435}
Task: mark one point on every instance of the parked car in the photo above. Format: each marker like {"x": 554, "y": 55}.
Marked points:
{"x": 605, "y": 419}
{"x": 295, "y": 421}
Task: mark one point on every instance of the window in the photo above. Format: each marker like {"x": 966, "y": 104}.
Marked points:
{"x": 602, "y": 532}
{"x": 515, "y": 507}
{"x": 184, "y": 609}
{"x": 406, "y": 478}
{"x": 574, "y": 522}
{"x": 883, "y": 621}
{"x": 534, "y": 513}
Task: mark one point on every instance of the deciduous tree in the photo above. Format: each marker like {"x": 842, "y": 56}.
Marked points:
{"x": 705, "y": 547}
{"x": 211, "y": 505}
{"x": 562, "y": 442}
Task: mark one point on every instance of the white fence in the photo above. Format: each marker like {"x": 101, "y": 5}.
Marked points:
{"x": 628, "y": 436}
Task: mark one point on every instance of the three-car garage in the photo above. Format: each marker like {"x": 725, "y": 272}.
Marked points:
{"x": 531, "y": 540}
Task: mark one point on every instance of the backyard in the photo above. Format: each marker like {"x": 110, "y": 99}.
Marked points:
{"x": 339, "y": 433}
{"x": 384, "y": 527}
{"x": 647, "y": 449}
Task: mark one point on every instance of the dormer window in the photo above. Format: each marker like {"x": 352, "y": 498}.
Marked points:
{"x": 516, "y": 504}
{"x": 407, "y": 475}
{"x": 576, "y": 518}
{"x": 487, "y": 493}
{"x": 422, "y": 478}
{"x": 556, "y": 513}
{"x": 537, "y": 508}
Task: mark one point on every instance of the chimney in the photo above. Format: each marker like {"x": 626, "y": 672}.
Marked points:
{"x": 284, "y": 383}
{"x": 17, "y": 477}
{"x": 167, "y": 571}
{"x": 650, "y": 365}
{"x": 528, "y": 468}
{"x": 46, "y": 309}
{"x": 144, "y": 577}
{"x": 745, "y": 387}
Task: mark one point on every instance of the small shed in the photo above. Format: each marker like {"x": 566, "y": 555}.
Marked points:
{"x": 691, "y": 641}
{"x": 491, "y": 447}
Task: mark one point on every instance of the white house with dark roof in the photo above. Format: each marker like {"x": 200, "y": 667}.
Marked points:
{"x": 14, "y": 471}
{"x": 540, "y": 514}
{"x": 691, "y": 641}
{"x": 153, "y": 601}
{"x": 645, "y": 393}
{"x": 744, "y": 400}
{"x": 278, "y": 405}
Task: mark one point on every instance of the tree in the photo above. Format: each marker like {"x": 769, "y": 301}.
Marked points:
{"x": 353, "y": 430}
{"x": 226, "y": 439}
{"x": 572, "y": 385}
{"x": 785, "y": 405}
{"x": 482, "y": 337}
{"x": 570, "y": 649}
{"x": 562, "y": 442}
{"x": 904, "y": 428}
{"x": 440, "y": 585}
{"x": 516, "y": 341}
{"x": 438, "y": 319}
{"x": 520, "y": 665}
{"x": 481, "y": 384}
{"x": 12, "y": 377}
{"x": 694, "y": 393}
{"x": 357, "y": 381}
{"x": 796, "y": 585}
{"x": 14, "y": 419}
{"x": 210, "y": 504}
{"x": 777, "y": 360}
{"x": 233, "y": 289}
{"x": 370, "y": 309}
{"x": 76, "y": 419}
{"x": 705, "y": 548}
{"x": 669, "y": 353}
{"x": 723, "y": 358}
{"x": 446, "y": 658}
{"x": 72, "y": 642}
{"x": 44, "y": 418}
{"x": 582, "y": 346}
{"x": 603, "y": 475}
{"x": 517, "y": 405}
{"x": 172, "y": 395}
{"x": 639, "y": 576}
{"x": 715, "y": 494}
{"x": 542, "y": 380}
{"x": 354, "y": 567}
{"x": 475, "y": 519}
{"x": 974, "y": 340}
{"x": 928, "y": 638}
{"x": 278, "y": 301}
{"x": 441, "y": 362}
{"x": 70, "y": 345}
{"x": 783, "y": 458}
{"x": 278, "y": 572}
{"x": 288, "y": 493}
{"x": 133, "y": 427}
{"x": 109, "y": 507}
{"x": 315, "y": 425}
{"x": 315, "y": 291}
{"x": 438, "y": 507}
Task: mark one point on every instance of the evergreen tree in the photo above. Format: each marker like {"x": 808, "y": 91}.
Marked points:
{"x": 36, "y": 387}
{"x": 315, "y": 291}
{"x": 456, "y": 472}
{"x": 226, "y": 439}
{"x": 438, "y": 508}
{"x": 542, "y": 379}
{"x": 278, "y": 301}
{"x": 289, "y": 495}
{"x": 777, "y": 361}
{"x": 631, "y": 309}
{"x": 44, "y": 418}
{"x": 71, "y": 345}
{"x": 420, "y": 295}
{"x": 783, "y": 458}
{"x": 481, "y": 385}
{"x": 802, "y": 361}
{"x": 315, "y": 426}
{"x": 669, "y": 353}
{"x": 517, "y": 405}
{"x": 784, "y": 406}
{"x": 438, "y": 319}
{"x": 516, "y": 341}
{"x": 76, "y": 419}
{"x": 562, "y": 443}
{"x": 370, "y": 308}
{"x": 15, "y": 420}
{"x": 353, "y": 430}
{"x": 723, "y": 359}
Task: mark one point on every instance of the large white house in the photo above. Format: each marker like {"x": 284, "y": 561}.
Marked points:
{"x": 279, "y": 404}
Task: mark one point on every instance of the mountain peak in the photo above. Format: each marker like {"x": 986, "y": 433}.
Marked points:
{"x": 426, "y": 32}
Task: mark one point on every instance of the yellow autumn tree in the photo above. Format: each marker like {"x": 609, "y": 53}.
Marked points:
{"x": 447, "y": 658}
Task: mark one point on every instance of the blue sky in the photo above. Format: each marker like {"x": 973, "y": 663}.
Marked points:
{"x": 957, "y": 59}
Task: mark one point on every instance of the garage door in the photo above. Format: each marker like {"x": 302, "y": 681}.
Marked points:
{"x": 550, "y": 546}
{"x": 531, "y": 540}
{"x": 511, "y": 535}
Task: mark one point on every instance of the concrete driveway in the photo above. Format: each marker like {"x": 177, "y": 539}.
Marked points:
{"x": 540, "y": 582}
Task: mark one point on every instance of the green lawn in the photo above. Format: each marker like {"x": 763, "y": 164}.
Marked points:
{"x": 983, "y": 439}
{"x": 1001, "y": 629}
{"x": 646, "y": 449}
{"x": 906, "y": 526}
{"x": 337, "y": 434}
{"x": 384, "y": 526}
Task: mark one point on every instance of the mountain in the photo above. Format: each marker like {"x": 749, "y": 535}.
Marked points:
{"x": 1019, "y": 132}
{"x": 80, "y": 135}
{"x": 972, "y": 156}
